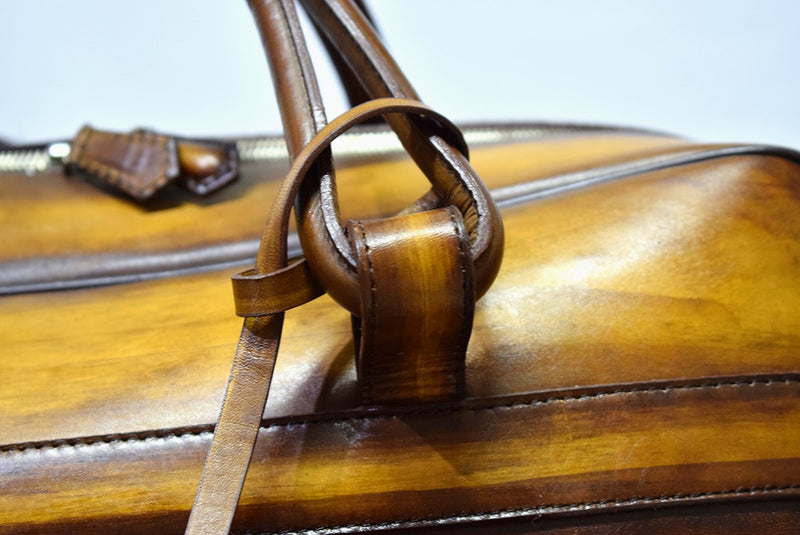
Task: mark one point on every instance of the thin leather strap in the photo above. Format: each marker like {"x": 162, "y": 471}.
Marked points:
{"x": 248, "y": 387}
{"x": 237, "y": 429}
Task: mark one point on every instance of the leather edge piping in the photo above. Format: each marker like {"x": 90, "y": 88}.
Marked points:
{"x": 620, "y": 505}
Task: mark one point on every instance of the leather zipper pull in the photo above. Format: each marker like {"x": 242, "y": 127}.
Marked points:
{"x": 141, "y": 163}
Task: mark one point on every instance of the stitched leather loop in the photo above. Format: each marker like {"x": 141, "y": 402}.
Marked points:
{"x": 453, "y": 180}
{"x": 294, "y": 288}
{"x": 417, "y": 306}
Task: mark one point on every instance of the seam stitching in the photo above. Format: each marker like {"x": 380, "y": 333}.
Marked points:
{"x": 186, "y": 435}
{"x": 369, "y": 353}
{"x": 458, "y": 361}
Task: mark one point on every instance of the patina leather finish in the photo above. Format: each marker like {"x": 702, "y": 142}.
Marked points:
{"x": 634, "y": 368}
{"x": 688, "y": 352}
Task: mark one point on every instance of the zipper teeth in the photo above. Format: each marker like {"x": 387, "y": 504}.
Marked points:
{"x": 369, "y": 142}
{"x": 28, "y": 161}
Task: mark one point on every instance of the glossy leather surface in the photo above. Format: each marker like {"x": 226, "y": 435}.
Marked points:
{"x": 639, "y": 350}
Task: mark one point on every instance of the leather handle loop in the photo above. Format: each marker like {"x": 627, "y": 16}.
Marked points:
{"x": 337, "y": 273}
{"x": 453, "y": 180}
{"x": 267, "y": 291}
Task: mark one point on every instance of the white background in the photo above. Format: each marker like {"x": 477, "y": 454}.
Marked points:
{"x": 712, "y": 70}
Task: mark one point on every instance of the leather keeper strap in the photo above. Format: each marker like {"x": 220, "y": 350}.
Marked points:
{"x": 417, "y": 304}
{"x": 263, "y": 294}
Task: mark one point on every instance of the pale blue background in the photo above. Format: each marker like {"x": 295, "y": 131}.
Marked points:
{"x": 713, "y": 70}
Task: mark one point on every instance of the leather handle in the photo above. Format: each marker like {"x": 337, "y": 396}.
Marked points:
{"x": 273, "y": 285}
{"x": 453, "y": 179}
{"x": 356, "y": 94}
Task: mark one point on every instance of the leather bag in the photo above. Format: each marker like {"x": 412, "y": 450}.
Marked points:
{"x": 632, "y": 365}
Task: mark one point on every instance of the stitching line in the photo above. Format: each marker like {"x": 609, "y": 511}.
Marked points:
{"x": 205, "y": 429}
{"x": 368, "y": 336}
{"x": 524, "y": 511}
{"x": 460, "y": 355}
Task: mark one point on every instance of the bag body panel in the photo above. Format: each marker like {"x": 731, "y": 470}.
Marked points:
{"x": 639, "y": 349}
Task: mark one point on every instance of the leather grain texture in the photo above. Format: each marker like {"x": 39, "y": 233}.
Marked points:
{"x": 141, "y": 163}
{"x": 633, "y": 369}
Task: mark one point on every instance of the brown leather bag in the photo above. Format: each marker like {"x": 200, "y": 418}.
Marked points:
{"x": 633, "y": 364}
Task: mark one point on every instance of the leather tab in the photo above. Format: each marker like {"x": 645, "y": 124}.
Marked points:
{"x": 141, "y": 163}
{"x": 417, "y": 305}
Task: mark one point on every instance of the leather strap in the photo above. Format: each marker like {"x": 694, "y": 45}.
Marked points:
{"x": 352, "y": 86}
{"x": 251, "y": 374}
{"x": 237, "y": 429}
{"x": 417, "y": 306}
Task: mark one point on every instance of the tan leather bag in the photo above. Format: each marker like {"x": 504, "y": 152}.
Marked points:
{"x": 633, "y": 368}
